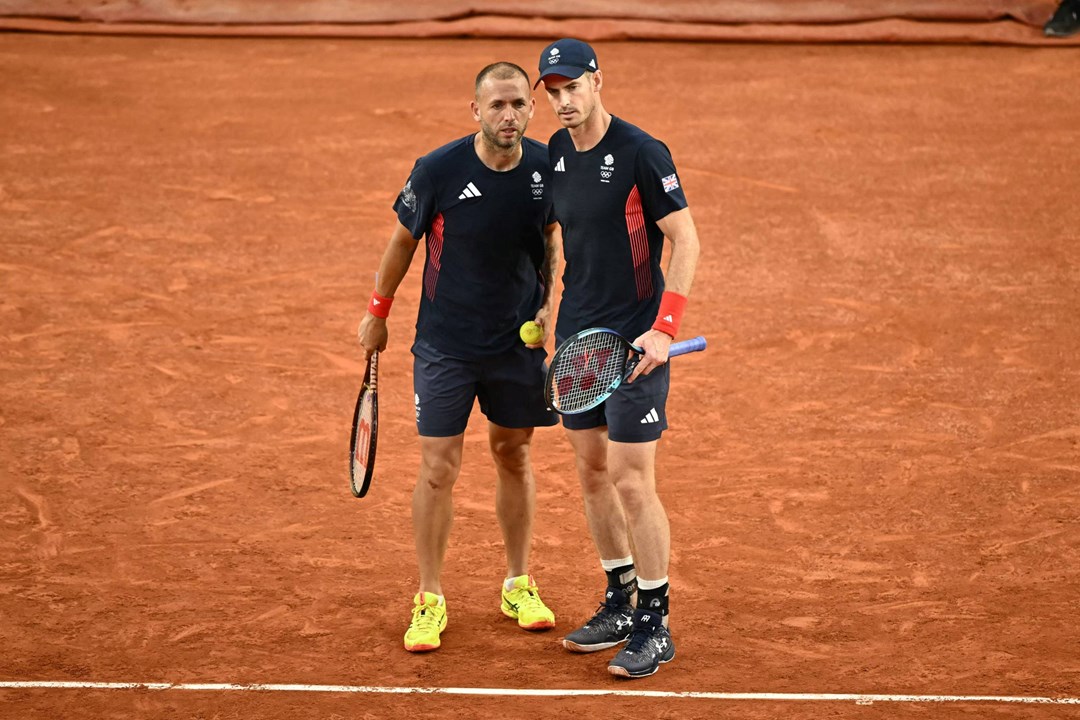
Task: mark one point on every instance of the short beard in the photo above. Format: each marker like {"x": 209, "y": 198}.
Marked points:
{"x": 493, "y": 139}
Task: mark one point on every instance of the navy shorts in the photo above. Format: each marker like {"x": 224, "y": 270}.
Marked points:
{"x": 510, "y": 388}
{"x": 636, "y": 412}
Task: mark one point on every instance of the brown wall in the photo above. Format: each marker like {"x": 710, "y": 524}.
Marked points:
{"x": 986, "y": 21}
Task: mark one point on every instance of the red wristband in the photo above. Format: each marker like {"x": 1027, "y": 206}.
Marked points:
{"x": 671, "y": 312}
{"x": 379, "y": 306}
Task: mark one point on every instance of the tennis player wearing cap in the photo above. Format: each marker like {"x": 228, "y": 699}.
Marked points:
{"x": 617, "y": 195}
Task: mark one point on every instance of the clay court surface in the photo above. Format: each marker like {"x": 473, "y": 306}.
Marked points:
{"x": 871, "y": 475}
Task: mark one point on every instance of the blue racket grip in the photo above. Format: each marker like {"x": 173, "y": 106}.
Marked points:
{"x": 687, "y": 346}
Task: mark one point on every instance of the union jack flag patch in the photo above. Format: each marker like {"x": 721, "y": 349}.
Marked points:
{"x": 671, "y": 182}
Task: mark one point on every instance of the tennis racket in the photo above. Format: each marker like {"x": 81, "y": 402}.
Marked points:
{"x": 588, "y": 367}
{"x": 365, "y": 430}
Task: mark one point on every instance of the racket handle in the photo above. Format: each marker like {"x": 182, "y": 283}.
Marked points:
{"x": 687, "y": 346}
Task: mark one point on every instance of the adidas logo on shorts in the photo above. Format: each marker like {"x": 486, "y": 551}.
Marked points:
{"x": 650, "y": 417}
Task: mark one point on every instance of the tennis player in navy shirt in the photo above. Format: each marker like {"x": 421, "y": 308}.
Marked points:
{"x": 617, "y": 195}
{"x": 482, "y": 205}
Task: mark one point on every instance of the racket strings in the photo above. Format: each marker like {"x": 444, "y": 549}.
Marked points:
{"x": 586, "y": 370}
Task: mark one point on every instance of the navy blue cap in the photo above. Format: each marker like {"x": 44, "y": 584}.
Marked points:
{"x": 568, "y": 58}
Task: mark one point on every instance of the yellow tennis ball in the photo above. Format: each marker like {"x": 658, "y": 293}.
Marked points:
{"x": 531, "y": 333}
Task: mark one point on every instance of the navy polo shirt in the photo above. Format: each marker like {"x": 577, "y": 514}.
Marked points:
{"x": 608, "y": 200}
{"x": 484, "y": 234}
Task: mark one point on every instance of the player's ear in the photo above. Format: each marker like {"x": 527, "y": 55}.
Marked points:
{"x": 475, "y": 110}
{"x": 597, "y": 80}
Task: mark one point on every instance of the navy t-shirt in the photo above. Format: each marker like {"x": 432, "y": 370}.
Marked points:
{"x": 485, "y": 245}
{"x": 608, "y": 200}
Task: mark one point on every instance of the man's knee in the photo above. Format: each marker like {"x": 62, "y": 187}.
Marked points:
{"x": 636, "y": 492}
{"x": 439, "y": 467}
{"x": 510, "y": 448}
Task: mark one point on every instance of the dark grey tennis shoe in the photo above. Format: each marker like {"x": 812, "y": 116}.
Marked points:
{"x": 650, "y": 645}
{"x": 610, "y": 625}
{"x": 1065, "y": 21}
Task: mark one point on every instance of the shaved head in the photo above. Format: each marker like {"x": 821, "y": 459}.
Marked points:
{"x": 500, "y": 71}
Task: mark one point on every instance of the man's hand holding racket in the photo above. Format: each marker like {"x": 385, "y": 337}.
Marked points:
{"x": 372, "y": 334}
{"x": 363, "y": 441}
{"x": 655, "y": 345}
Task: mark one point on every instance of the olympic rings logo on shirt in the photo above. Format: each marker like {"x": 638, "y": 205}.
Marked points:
{"x": 605, "y": 173}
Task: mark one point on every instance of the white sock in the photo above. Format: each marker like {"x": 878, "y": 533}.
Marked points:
{"x": 610, "y": 565}
{"x": 644, "y": 584}
{"x": 508, "y": 583}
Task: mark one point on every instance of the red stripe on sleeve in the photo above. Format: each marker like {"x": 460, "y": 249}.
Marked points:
{"x": 435, "y": 245}
{"x": 639, "y": 244}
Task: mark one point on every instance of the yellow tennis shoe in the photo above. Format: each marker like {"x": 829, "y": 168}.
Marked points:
{"x": 522, "y": 602}
{"x": 428, "y": 622}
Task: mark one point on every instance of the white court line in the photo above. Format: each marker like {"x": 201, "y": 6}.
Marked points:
{"x": 858, "y": 699}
